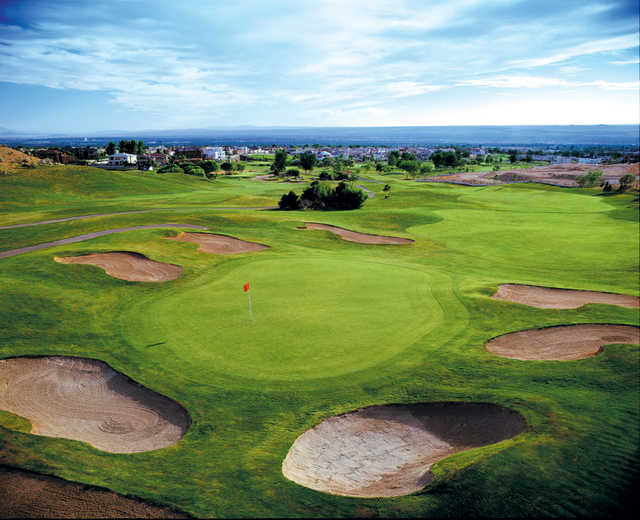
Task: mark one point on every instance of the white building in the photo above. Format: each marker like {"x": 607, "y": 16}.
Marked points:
{"x": 123, "y": 159}
{"x": 214, "y": 153}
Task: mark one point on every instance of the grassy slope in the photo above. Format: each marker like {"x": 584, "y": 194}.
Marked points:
{"x": 253, "y": 388}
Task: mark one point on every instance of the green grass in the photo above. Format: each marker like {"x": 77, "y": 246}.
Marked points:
{"x": 337, "y": 326}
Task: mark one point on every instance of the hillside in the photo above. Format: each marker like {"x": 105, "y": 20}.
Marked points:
{"x": 11, "y": 159}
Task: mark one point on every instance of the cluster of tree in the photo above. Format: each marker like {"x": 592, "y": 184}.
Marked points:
{"x": 447, "y": 159}
{"x": 626, "y": 181}
{"x": 395, "y": 157}
{"x": 133, "y": 146}
{"x": 590, "y": 179}
{"x": 323, "y": 196}
{"x": 334, "y": 175}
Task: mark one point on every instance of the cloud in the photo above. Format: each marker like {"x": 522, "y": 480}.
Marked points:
{"x": 610, "y": 44}
{"x": 537, "y": 82}
{"x": 634, "y": 61}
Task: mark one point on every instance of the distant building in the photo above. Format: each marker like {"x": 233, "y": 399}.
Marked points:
{"x": 123, "y": 159}
{"x": 215, "y": 153}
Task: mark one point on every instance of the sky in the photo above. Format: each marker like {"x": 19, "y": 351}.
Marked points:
{"x": 73, "y": 66}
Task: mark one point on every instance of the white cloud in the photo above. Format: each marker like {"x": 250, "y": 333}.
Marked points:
{"x": 610, "y": 44}
{"x": 537, "y": 82}
{"x": 634, "y": 61}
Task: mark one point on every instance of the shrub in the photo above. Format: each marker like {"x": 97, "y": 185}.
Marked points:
{"x": 171, "y": 168}
{"x": 292, "y": 172}
{"x": 290, "y": 201}
{"x": 626, "y": 181}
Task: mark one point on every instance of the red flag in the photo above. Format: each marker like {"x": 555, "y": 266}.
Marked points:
{"x": 246, "y": 287}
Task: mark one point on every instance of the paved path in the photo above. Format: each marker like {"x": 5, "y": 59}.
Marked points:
{"x": 80, "y": 217}
{"x": 80, "y": 238}
{"x": 370, "y": 193}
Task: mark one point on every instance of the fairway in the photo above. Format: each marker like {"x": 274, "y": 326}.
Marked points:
{"x": 315, "y": 317}
{"x": 337, "y": 327}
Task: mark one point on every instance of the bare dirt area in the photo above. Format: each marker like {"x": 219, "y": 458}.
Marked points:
{"x": 557, "y": 174}
{"x": 11, "y": 159}
{"x": 24, "y": 494}
{"x": 553, "y": 298}
{"x": 354, "y": 236}
{"x": 219, "y": 244}
{"x": 125, "y": 265}
{"x": 86, "y": 400}
{"x": 562, "y": 343}
{"x": 385, "y": 451}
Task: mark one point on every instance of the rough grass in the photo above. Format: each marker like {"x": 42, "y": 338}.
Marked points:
{"x": 337, "y": 326}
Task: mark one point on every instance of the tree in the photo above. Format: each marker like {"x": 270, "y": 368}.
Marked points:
{"x": 140, "y": 147}
{"x": 209, "y": 166}
{"x": 290, "y": 201}
{"x": 407, "y": 156}
{"x": 393, "y": 158}
{"x": 131, "y": 146}
{"x": 411, "y": 167}
{"x": 308, "y": 161}
{"x": 292, "y": 172}
{"x": 279, "y": 161}
{"x": 590, "y": 179}
{"x": 387, "y": 191}
{"x": 122, "y": 146}
{"x": 226, "y": 167}
{"x": 426, "y": 167}
{"x": 513, "y": 156}
{"x": 111, "y": 148}
{"x": 626, "y": 181}
{"x": 239, "y": 167}
{"x": 347, "y": 196}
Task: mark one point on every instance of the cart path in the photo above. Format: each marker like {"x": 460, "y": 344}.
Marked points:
{"x": 80, "y": 217}
{"x": 87, "y": 236}
{"x": 371, "y": 194}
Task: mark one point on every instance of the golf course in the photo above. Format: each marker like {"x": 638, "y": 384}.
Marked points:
{"x": 357, "y": 376}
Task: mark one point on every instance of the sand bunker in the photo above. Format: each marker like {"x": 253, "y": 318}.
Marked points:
{"x": 132, "y": 267}
{"x": 551, "y": 298}
{"x": 562, "y": 343}
{"x": 384, "y": 451}
{"x": 354, "y": 236}
{"x": 24, "y": 494}
{"x": 86, "y": 400}
{"x": 219, "y": 244}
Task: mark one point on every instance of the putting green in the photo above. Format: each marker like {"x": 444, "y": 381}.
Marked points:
{"x": 312, "y": 317}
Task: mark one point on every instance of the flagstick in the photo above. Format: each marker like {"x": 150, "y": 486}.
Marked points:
{"x": 250, "y": 312}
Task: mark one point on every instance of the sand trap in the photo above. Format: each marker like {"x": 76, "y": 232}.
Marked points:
{"x": 551, "y": 298}
{"x": 354, "y": 236}
{"x": 385, "y": 451}
{"x": 86, "y": 400}
{"x": 132, "y": 267}
{"x": 219, "y": 244}
{"x": 562, "y": 343}
{"x": 24, "y": 494}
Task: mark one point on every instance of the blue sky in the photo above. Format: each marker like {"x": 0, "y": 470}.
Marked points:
{"x": 77, "y": 66}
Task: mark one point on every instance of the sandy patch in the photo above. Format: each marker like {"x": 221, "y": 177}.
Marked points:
{"x": 354, "y": 236}
{"x": 552, "y": 298}
{"x": 563, "y": 174}
{"x": 267, "y": 177}
{"x": 219, "y": 244}
{"x": 95, "y": 234}
{"x": 562, "y": 343}
{"x": 132, "y": 267}
{"x": 86, "y": 400}
{"x": 385, "y": 451}
{"x": 24, "y": 494}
